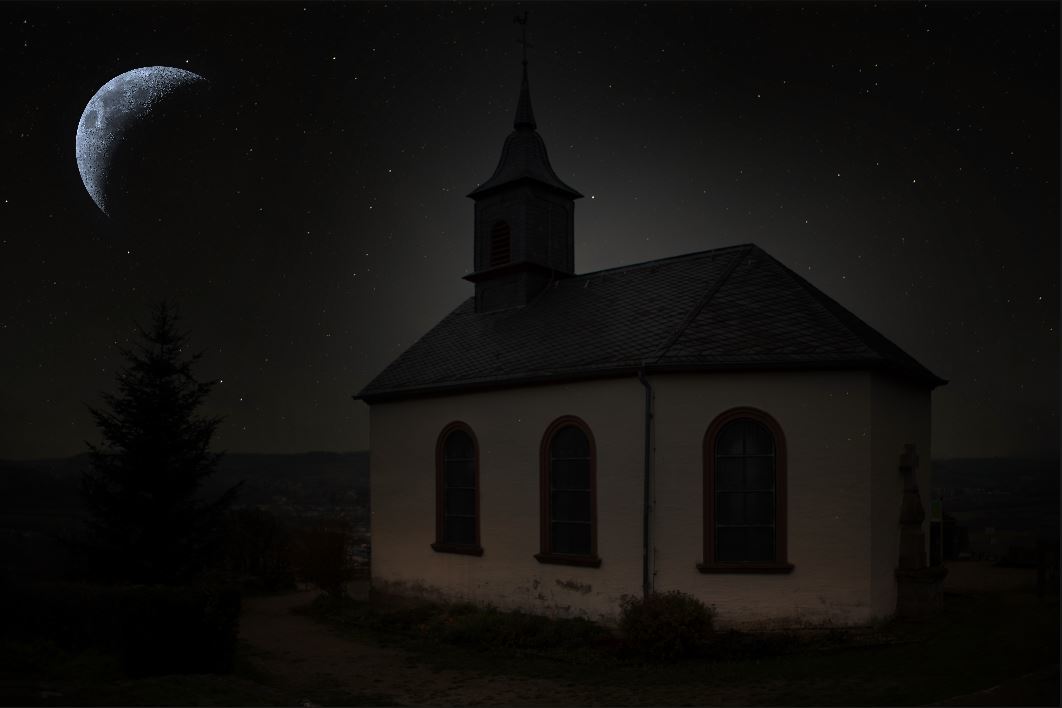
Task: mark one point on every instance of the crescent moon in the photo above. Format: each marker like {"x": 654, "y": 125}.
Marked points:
{"x": 123, "y": 101}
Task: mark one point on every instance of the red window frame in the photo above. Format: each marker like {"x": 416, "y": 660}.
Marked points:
{"x": 780, "y": 562}
{"x": 546, "y": 553}
{"x": 441, "y": 546}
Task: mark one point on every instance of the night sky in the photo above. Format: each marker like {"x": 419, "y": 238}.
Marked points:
{"x": 308, "y": 211}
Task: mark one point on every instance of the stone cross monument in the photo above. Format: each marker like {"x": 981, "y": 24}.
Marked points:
{"x": 919, "y": 586}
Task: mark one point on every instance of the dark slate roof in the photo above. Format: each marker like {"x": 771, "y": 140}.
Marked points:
{"x": 727, "y": 309}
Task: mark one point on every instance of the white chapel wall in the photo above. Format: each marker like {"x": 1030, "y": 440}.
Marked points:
{"x": 509, "y": 426}
{"x": 825, "y": 417}
{"x": 844, "y": 432}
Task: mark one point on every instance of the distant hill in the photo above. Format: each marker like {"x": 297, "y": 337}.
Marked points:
{"x": 304, "y": 480}
{"x": 40, "y": 500}
{"x": 40, "y": 487}
{"x": 1004, "y": 474}
{"x": 1003, "y": 494}
{"x": 312, "y": 482}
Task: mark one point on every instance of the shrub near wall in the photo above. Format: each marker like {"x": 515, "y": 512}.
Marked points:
{"x": 154, "y": 629}
{"x": 670, "y": 625}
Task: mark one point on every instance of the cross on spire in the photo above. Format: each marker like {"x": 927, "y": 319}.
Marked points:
{"x": 522, "y": 21}
{"x": 525, "y": 117}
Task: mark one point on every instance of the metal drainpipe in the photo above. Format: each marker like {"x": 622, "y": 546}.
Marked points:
{"x": 647, "y": 490}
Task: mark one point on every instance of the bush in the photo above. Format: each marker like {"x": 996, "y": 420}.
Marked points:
{"x": 257, "y": 551}
{"x": 670, "y": 625}
{"x": 153, "y": 629}
{"x": 323, "y": 557}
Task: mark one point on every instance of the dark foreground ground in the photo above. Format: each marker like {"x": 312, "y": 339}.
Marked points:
{"x": 996, "y": 643}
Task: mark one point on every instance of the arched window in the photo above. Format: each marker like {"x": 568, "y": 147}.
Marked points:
{"x": 457, "y": 491}
{"x": 500, "y": 245}
{"x": 568, "y": 489}
{"x": 744, "y": 494}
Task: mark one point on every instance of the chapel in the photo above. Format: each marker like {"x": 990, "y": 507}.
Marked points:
{"x": 709, "y": 422}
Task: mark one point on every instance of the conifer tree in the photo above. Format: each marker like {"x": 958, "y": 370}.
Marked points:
{"x": 146, "y": 520}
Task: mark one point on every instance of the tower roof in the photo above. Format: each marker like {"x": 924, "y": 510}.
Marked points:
{"x": 524, "y": 153}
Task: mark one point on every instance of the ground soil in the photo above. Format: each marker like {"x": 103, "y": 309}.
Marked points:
{"x": 982, "y": 577}
{"x": 1005, "y": 656}
{"x": 305, "y": 658}
{"x": 308, "y": 659}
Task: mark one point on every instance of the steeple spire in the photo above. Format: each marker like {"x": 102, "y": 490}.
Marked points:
{"x": 525, "y": 117}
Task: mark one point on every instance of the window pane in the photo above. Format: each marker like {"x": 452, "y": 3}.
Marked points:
{"x": 459, "y": 529}
{"x": 730, "y": 544}
{"x": 569, "y": 506}
{"x": 744, "y": 484}
{"x": 728, "y": 474}
{"x": 730, "y": 508}
{"x": 729, "y": 440}
{"x": 760, "y": 543}
{"x": 758, "y": 440}
{"x": 500, "y": 245}
{"x": 570, "y": 538}
{"x": 570, "y": 442}
{"x": 759, "y": 508}
{"x": 461, "y": 501}
{"x": 458, "y": 446}
{"x": 759, "y": 473}
{"x": 570, "y": 474}
{"x": 460, "y": 473}
{"x": 459, "y": 494}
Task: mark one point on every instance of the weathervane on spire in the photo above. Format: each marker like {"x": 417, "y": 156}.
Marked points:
{"x": 522, "y": 21}
{"x": 525, "y": 118}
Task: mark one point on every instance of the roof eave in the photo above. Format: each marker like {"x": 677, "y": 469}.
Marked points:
{"x": 927, "y": 379}
{"x": 512, "y": 268}
{"x": 488, "y": 188}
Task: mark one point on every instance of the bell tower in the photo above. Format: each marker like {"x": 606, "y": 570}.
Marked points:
{"x": 524, "y": 218}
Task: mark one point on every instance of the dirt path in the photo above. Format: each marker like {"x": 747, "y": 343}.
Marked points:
{"x": 1038, "y": 688}
{"x": 307, "y": 659}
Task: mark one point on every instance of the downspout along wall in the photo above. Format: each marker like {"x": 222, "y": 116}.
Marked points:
{"x": 647, "y": 489}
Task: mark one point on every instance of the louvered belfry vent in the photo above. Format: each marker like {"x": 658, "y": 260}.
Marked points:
{"x": 500, "y": 245}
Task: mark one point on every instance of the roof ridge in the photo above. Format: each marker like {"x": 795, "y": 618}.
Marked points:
{"x": 657, "y": 261}
{"x": 696, "y": 309}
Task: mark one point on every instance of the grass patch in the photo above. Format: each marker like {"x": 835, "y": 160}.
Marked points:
{"x": 463, "y": 625}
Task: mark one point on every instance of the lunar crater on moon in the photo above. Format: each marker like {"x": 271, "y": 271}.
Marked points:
{"x": 120, "y": 106}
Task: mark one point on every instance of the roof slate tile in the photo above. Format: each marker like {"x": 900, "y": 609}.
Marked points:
{"x": 728, "y": 308}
